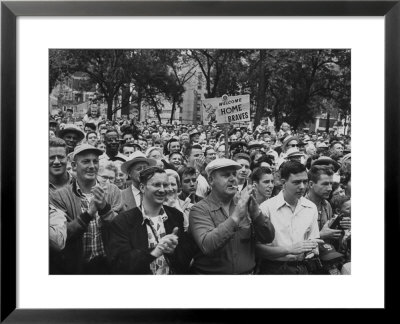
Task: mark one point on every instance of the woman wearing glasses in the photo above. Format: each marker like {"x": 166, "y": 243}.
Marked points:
{"x": 107, "y": 172}
{"x": 149, "y": 239}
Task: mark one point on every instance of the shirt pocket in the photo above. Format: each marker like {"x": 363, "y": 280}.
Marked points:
{"x": 217, "y": 217}
{"x": 244, "y": 232}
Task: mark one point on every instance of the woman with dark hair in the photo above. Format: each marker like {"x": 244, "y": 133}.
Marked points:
{"x": 149, "y": 239}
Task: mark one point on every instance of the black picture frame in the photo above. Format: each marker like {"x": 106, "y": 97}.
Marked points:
{"x": 10, "y": 10}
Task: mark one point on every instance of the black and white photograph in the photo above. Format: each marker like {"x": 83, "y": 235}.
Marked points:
{"x": 185, "y": 140}
{"x": 207, "y": 161}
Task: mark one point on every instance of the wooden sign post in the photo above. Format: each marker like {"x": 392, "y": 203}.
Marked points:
{"x": 226, "y": 126}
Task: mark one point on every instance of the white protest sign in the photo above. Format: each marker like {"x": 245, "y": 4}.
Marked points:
{"x": 226, "y": 110}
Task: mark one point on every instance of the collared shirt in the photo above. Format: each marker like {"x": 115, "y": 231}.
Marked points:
{"x": 324, "y": 211}
{"x": 203, "y": 188}
{"x": 52, "y": 187}
{"x": 193, "y": 198}
{"x": 137, "y": 195}
{"x": 119, "y": 156}
{"x": 226, "y": 248}
{"x": 155, "y": 231}
{"x": 186, "y": 203}
{"x": 291, "y": 227}
{"x": 93, "y": 245}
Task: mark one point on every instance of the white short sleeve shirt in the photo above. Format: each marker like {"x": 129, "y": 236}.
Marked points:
{"x": 291, "y": 227}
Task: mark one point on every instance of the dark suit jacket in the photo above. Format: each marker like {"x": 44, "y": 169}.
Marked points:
{"x": 128, "y": 243}
{"x": 128, "y": 199}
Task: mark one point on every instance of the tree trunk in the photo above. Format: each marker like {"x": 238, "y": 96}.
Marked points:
{"x": 275, "y": 113}
{"x": 125, "y": 100}
{"x": 261, "y": 90}
{"x": 328, "y": 117}
{"x": 139, "y": 102}
{"x": 109, "y": 108}
{"x": 156, "y": 109}
{"x": 173, "y": 110}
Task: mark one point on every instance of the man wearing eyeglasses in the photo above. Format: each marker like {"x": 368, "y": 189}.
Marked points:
{"x": 150, "y": 239}
{"x": 137, "y": 162}
{"x": 107, "y": 172}
{"x": 288, "y": 142}
{"x": 89, "y": 208}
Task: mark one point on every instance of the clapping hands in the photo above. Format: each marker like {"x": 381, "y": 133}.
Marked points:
{"x": 167, "y": 244}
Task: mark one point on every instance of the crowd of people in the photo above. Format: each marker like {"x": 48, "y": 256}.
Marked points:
{"x": 129, "y": 197}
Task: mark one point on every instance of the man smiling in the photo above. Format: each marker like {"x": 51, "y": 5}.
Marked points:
{"x": 111, "y": 139}
{"x": 224, "y": 228}
{"x": 147, "y": 239}
{"x": 72, "y": 135}
{"x": 89, "y": 208}
{"x": 58, "y": 175}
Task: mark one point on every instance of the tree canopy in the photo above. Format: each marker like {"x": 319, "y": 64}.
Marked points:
{"x": 291, "y": 85}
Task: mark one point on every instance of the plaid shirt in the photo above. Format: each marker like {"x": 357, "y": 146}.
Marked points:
{"x": 93, "y": 245}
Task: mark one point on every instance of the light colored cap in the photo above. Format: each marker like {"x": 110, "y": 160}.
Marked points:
{"x": 319, "y": 145}
{"x": 221, "y": 163}
{"x": 136, "y": 157}
{"x": 86, "y": 148}
{"x": 151, "y": 149}
{"x": 289, "y": 139}
{"x": 194, "y": 132}
{"x": 292, "y": 152}
{"x": 71, "y": 128}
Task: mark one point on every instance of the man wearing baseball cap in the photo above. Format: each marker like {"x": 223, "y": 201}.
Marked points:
{"x": 89, "y": 209}
{"x": 137, "y": 162}
{"x": 226, "y": 224}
